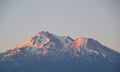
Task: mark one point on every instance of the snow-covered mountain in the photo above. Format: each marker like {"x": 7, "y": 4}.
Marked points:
{"x": 49, "y": 50}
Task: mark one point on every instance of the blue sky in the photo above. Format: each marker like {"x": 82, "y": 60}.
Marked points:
{"x": 22, "y": 19}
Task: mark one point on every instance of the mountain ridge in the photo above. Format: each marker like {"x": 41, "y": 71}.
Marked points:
{"x": 48, "y": 49}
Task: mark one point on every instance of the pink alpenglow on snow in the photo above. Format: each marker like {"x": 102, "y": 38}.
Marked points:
{"x": 77, "y": 43}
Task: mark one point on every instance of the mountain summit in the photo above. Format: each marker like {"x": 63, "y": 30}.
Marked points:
{"x": 47, "y": 52}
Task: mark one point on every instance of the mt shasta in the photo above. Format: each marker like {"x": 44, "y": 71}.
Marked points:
{"x": 47, "y": 52}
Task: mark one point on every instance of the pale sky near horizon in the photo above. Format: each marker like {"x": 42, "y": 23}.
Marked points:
{"x": 97, "y": 19}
